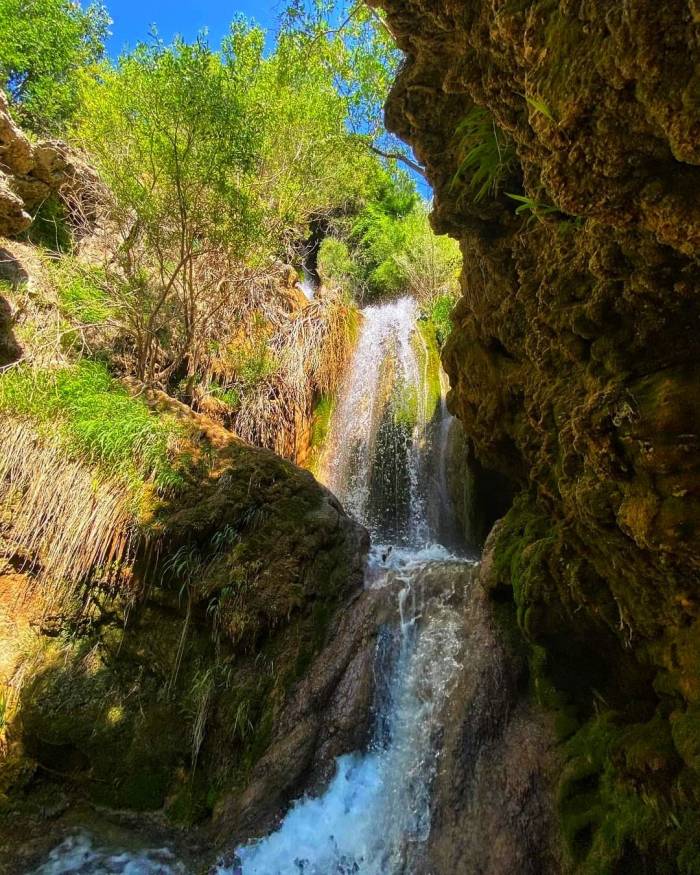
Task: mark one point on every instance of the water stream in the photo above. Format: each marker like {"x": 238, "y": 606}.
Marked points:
{"x": 374, "y": 818}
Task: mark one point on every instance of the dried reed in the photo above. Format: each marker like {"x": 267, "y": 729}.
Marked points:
{"x": 70, "y": 519}
{"x": 312, "y": 348}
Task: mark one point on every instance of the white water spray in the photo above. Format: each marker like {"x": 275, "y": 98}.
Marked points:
{"x": 374, "y": 817}
{"x": 307, "y": 285}
{"x": 385, "y": 372}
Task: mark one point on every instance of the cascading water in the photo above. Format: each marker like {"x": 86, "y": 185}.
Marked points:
{"x": 307, "y": 285}
{"x": 377, "y": 435}
{"x": 374, "y": 817}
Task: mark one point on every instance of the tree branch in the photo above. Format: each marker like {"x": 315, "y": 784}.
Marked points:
{"x": 399, "y": 156}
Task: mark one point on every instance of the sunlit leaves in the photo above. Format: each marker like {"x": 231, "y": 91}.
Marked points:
{"x": 43, "y": 45}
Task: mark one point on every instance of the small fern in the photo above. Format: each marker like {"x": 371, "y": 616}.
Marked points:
{"x": 529, "y": 205}
{"x": 488, "y": 154}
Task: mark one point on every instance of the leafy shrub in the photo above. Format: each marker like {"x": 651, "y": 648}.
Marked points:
{"x": 43, "y": 45}
{"x": 534, "y": 210}
{"x": 336, "y": 265}
{"x": 439, "y": 313}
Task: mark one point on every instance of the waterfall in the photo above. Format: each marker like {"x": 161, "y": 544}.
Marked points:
{"x": 374, "y": 817}
{"x": 383, "y": 460}
{"x": 377, "y": 439}
{"x": 308, "y": 285}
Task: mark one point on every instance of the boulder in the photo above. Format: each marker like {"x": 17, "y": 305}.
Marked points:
{"x": 166, "y": 693}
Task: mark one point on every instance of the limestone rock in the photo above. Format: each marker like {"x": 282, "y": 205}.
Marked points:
{"x": 15, "y": 149}
{"x": 31, "y": 173}
{"x": 14, "y": 218}
{"x": 574, "y": 370}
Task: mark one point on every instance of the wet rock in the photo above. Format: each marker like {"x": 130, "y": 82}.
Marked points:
{"x": 328, "y": 713}
{"x": 573, "y": 367}
{"x": 492, "y": 798}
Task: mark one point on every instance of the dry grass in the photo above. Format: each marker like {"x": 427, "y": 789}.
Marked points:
{"x": 312, "y": 348}
{"x": 72, "y": 520}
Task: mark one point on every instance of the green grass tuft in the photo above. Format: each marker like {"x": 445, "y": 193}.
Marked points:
{"x": 97, "y": 420}
{"x": 535, "y": 209}
{"x": 540, "y": 106}
{"x": 81, "y": 292}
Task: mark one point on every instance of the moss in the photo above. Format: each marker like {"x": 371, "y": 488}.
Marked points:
{"x": 405, "y": 407}
{"x": 521, "y": 560}
{"x": 623, "y": 783}
{"x": 141, "y": 791}
{"x": 596, "y": 813}
{"x": 192, "y": 803}
{"x": 429, "y": 353}
{"x": 320, "y": 429}
{"x": 686, "y": 736}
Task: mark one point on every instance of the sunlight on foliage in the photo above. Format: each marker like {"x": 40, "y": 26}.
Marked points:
{"x": 100, "y": 422}
{"x": 43, "y": 45}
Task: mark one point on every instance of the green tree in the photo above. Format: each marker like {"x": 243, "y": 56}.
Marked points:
{"x": 43, "y": 46}
{"x": 309, "y": 164}
{"x": 394, "y": 250}
{"x": 171, "y": 141}
{"x": 361, "y": 58}
{"x": 428, "y": 264}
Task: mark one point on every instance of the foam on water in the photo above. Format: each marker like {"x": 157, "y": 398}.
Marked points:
{"x": 374, "y": 818}
{"x": 77, "y": 855}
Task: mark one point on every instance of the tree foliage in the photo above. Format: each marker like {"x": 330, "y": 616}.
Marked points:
{"x": 391, "y": 249}
{"x": 218, "y": 162}
{"x": 43, "y": 46}
{"x": 220, "y": 170}
{"x": 308, "y": 162}
{"x": 171, "y": 140}
{"x": 362, "y": 60}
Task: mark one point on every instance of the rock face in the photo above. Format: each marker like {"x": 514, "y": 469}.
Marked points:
{"x": 224, "y": 651}
{"x": 492, "y": 799}
{"x": 574, "y": 367}
{"x": 29, "y": 173}
{"x": 328, "y": 713}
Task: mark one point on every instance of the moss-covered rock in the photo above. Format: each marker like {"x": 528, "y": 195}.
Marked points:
{"x": 573, "y": 367}
{"x": 161, "y": 691}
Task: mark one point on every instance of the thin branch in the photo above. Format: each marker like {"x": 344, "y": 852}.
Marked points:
{"x": 399, "y": 156}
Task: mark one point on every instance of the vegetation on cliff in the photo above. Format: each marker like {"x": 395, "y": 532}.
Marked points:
{"x": 164, "y": 584}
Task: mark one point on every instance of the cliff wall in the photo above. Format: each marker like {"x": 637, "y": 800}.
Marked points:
{"x": 574, "y": 365}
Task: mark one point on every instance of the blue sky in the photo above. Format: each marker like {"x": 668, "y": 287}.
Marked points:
{"x": 133, "y": 18}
